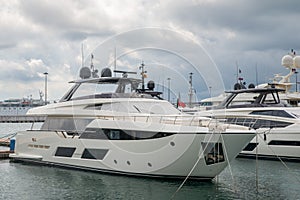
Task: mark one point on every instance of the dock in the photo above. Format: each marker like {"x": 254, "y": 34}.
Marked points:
{"x": 8, "y": 147}
{"x": 21, "y": 118}
{"x": 5, "y": 142}
{"x": 4, "y": 154}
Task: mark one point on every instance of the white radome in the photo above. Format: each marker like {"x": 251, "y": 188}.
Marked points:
{"x": 296, "y": 61}
{"x": 287, "y": 61}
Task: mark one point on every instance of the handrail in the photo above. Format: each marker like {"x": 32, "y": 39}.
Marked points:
{"x": 188, "y": 120}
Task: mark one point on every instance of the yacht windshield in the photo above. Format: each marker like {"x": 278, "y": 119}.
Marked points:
{"x": 91, "y": 89}
{"x": 102, "y": 88}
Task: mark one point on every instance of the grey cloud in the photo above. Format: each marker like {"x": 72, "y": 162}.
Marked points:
{"x": 53, "y": 31}
{"x": 257, "y": 24}
{"x": 7, "y": 46}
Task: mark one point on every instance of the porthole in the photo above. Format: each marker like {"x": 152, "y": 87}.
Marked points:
{"x": 128, "y": 163}
{"x": 149, "y": 164}
{"x": 172, "y": 144}
{"x": 115, "y": 161}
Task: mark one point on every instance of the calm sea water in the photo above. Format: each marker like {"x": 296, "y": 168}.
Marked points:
{"x": 23, "y": 181}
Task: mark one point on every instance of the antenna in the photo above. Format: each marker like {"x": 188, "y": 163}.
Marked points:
{"x": 93, "y": 70}
{"x": 256, "y": 74}
{"x": 115, "y": 61}
{"x": 82, "y": 56}
{"x": 92, "y": 64}
{"x": 237, "y": 71}
{"x": 144, "y": 75}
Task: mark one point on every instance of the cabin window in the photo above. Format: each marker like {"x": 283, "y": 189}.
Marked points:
{"x": 250, "y": 147}
{"x": 213, "y": 152}
{"x": 65, "y": 151}
{"x": 65, "y": 124}
{"x": 276, "y": 113}
{"x": 284, "y": 143}
{"x": 97, "y": 154}
{"x": 116, "y": 134}
{"x": 257, "y": 123}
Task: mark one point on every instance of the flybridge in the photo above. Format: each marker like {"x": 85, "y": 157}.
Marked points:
{"x": 256, "y": 97}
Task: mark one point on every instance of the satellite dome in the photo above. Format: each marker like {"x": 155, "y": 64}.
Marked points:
{"x": 251, "y": 85}
{"x": 106, "y": 72}
{"x": 237, "y": 86}
{"x": 296, "y": 61}
{"x": 287, "y": 61}
{"x": 85, "y": 73}
{"x": 151, "y": 85}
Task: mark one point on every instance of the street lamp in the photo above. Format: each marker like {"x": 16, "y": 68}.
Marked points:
{"x": 296, "y": 81}
{"x": 169, "y": 82}
{"x": 46, "y": 74}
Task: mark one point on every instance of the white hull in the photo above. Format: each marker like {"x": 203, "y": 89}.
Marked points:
{"x": 171, "y": 156}
{"x": 275, "y": 145}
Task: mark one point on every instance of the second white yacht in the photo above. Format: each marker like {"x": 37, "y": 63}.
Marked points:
{"x": 277, "y": 125}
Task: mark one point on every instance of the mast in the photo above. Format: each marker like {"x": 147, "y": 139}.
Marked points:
{"x": 191, "y": 90}
{"x": 115, "y": 61}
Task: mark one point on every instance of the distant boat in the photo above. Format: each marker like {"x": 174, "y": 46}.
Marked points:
{"x": 19, "y": 106}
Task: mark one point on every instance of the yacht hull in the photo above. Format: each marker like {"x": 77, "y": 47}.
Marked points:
{"x": 279, "y": 141}
{"x": 274, "y": 145}
{"x": 172, "y": 156}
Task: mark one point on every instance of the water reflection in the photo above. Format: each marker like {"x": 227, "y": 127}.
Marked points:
{"x": 24, "y": 181}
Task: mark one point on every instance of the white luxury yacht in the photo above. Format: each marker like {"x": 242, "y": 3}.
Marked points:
{"x": 107, "y": 124}
{"x": 290, "y": 61}
{"x": 277, "y": 125}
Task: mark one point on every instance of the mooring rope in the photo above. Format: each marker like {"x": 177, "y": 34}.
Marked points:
{"x": 192, "y": 169}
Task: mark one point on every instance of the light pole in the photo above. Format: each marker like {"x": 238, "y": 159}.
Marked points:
{"x": 296, "y": 81}
{"x": 169, "y": 82}
{"x": 46, "y": 74}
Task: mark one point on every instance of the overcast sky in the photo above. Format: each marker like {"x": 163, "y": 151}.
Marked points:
{"x": 206, "y": 37}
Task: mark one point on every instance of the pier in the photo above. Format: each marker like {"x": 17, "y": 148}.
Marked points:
{"x": 4, "y": 154}
{"x": 5, "y": 142}
{"x": 21, "y": 119}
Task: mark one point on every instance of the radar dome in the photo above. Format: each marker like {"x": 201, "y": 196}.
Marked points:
{"x": 296, "y": 61}
{"x": 287, "y": 61}
{"x": 237, "y": 86}
{"x": 151, "y": 85}
{"x": 106, "y": 72}
{"x": 85, "y": 73}
{"x": 251, "y": 85}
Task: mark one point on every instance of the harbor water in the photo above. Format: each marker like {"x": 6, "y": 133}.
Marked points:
{"x": 243, "y": 179}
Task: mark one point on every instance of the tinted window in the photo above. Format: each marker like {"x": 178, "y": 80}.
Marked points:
{"x": 65, "y": 151}
{"x": 277, "y": 113}
{"x": 258, "y": 123}
{"x": 65, "y": 124}
{"x": 250, "y": 147}
{"x": 116, "y": 134}
{"x": 98, "y": 154}
{"x": 284, "y": 143}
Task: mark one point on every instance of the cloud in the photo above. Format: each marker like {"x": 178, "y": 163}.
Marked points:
{"x": 178, "y": 36}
